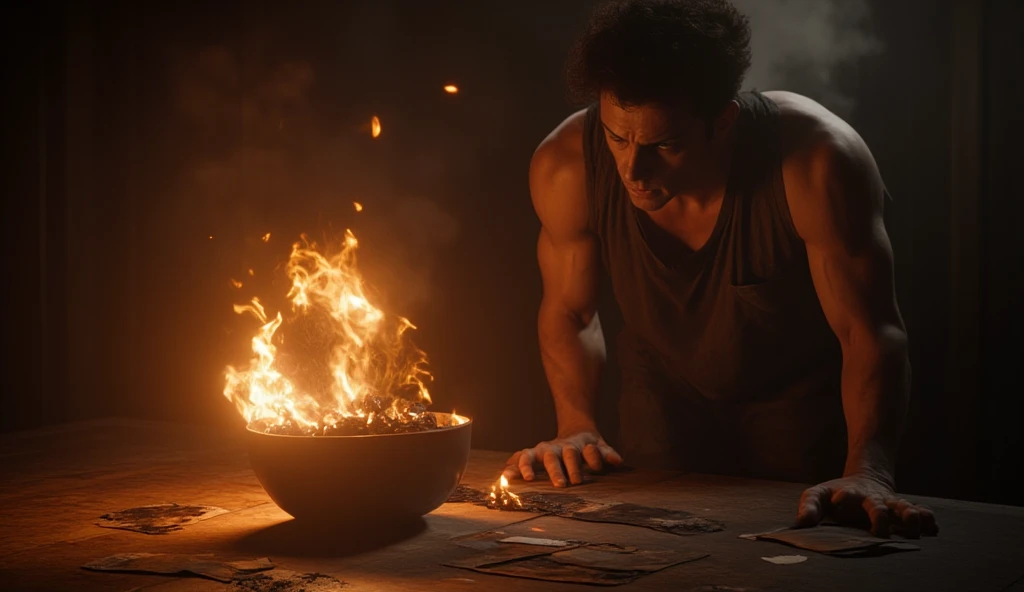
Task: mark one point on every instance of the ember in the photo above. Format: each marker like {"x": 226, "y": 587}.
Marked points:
{"x": 383, "y": 420}
{"x": 344, "y": 367}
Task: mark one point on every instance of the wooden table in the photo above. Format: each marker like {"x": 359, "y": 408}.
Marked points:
{"x": 56, "y": 482}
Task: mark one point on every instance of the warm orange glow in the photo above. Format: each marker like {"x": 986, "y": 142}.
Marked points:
{"x": 451, "y": 89}
{"x": 501, "y": 497}
{"x": 266, "y": 237}
{"x": 375, "y": 126}
{"x": 370, "y": 353}
{"x": 236, "y": 283}
{"x": 251, "y": 272}
{"x": 358, "y": 206}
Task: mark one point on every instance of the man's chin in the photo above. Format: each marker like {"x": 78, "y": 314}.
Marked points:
{"x": 647, "y": 203}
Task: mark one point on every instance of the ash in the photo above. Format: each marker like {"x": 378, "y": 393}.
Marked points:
{"x": 381, "y": 418}
{"x": 287, "y": 581}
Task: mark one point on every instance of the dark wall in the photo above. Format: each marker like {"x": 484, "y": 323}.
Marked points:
{"x": 142, "y": 132}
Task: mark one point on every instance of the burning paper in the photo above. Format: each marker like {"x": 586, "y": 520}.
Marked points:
{"x": 502, "y": 498}
{"x": 336, "y": 365}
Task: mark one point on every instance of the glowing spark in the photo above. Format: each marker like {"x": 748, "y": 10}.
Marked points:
{"x": 266, "y": 237}
{"x": 236, "y": 283}
{"x": 358, "y": 206}
{"x": 211, "y": 237}
{"x": 251, "y": 272}
{"x": 375, "y": 126}
{"x": 451, "y": 89}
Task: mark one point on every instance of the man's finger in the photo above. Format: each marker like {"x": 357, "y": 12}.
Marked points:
{"x": 553, "y": 465}
{"x": 910, "y": 518}
{"x": 593, "y": 457}
{"x": 907, "y": 517}
{"x": 526, "y": 460}
{"x": 812, "y": 506}
{"x": 609, "y": 454}
{"x": 573, "y": 462}
{"x": 511, "y": 470}
{"x": 878, "y": 512}
{"x": 927, "y": 518}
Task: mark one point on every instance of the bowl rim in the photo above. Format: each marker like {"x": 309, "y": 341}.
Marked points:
{"x": 469, "y": 421}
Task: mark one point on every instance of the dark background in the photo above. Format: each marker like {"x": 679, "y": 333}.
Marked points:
{"x": 135, "y": 132}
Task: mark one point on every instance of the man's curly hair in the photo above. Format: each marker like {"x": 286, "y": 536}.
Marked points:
{"x": 692, "y": 52}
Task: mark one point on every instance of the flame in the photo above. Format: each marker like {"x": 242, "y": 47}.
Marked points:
{"x": 503, "y": 499}
{"x": 375, "y": 126}
{"x": 368, "y": 359}
{"x": 358, "y": 206}
{"x": 451, "y": 89}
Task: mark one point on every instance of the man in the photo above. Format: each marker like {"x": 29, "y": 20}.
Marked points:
{"x": 743, "y": 236}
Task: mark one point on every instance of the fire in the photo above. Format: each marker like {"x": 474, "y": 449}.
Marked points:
{"x": 502, "y": 498}
{"x": 358, "y": 206}
{"x": 451, "y": 89}
{"x": 375, "y": 126}
{"x": 355, "y": 365}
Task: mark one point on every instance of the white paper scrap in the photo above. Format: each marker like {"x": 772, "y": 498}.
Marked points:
{"x": 785, "y": 559}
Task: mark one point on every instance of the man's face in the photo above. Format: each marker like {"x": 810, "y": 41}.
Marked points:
{"x": 660, "y": 151}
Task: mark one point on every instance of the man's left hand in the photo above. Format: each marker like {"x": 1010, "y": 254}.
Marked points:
{"x": 865, "y": 501}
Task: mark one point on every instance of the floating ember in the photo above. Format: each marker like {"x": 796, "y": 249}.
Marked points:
{"x": 502, "y": 498}
{"x": 336, "y": 365}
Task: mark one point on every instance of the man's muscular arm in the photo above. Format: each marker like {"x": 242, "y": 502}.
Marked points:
{"x": 571, "y": 342}
{"x": 836, "y": 194}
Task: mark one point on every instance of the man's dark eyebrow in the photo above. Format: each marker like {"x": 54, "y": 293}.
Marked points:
{"x": 663, "y": 141}
{"x": 609, "y": 130}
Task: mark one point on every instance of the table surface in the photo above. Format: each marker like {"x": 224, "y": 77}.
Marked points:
{"x": 57, "y": 481}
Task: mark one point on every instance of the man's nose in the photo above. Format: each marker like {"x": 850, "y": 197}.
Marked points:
{"x": 639, "y": 164}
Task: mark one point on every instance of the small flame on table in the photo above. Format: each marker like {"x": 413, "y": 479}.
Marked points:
{"x": 503, "y": 499}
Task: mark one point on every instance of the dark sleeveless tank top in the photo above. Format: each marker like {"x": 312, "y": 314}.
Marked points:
{"x": 727, "y": 342}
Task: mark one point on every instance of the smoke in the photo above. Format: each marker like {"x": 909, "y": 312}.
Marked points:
{"x": 267, "y": 154}
{"x": 803, "y": 46}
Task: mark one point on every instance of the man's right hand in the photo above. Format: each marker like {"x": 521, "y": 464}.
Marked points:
{"x": 561, "y": 456}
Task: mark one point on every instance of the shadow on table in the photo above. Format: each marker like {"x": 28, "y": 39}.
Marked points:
{"x": 295, "y": 538}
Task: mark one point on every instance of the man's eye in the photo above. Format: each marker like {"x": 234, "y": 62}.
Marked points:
{"x": 670, "y": 146}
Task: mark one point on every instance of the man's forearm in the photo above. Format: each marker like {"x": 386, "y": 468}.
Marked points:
{"x": 573, "y": 354}
{"x": 876, "y": 389}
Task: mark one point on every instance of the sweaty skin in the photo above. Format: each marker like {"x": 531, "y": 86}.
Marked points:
{"x": 674, "y": 167}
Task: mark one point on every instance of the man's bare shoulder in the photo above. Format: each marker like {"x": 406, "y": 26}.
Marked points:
{"x": 808, "y": 125}
{"x": 558, "y": 176}
{"x": 826, "y": 165}
{"x": 561, "y": 149}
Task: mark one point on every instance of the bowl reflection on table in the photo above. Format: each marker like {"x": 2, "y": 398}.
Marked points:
{"x": 368, "y": 478}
